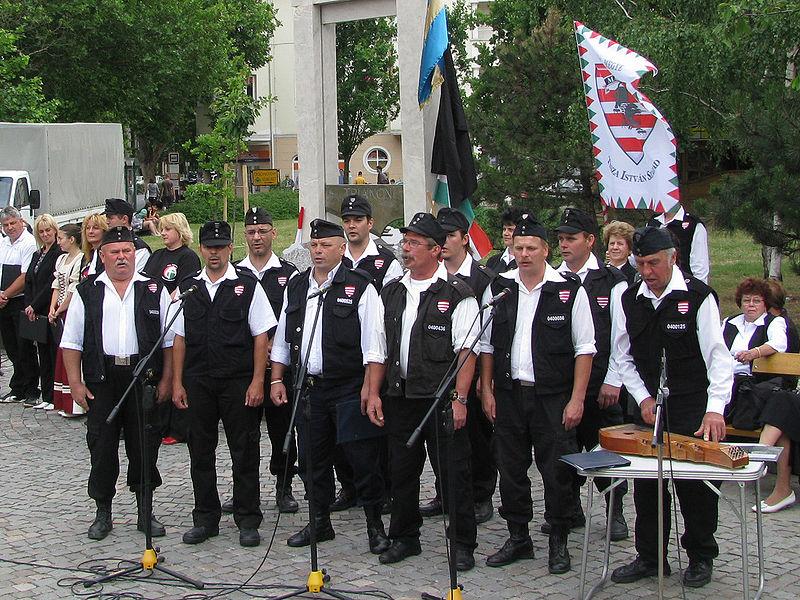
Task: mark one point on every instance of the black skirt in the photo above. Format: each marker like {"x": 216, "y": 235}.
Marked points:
{"x": 782, "y": 410}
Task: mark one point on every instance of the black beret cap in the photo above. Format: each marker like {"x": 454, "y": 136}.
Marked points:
{"x": 257, "y": 216}
{"x": 528, "y": 225}
{"x": 320, "y": 228}
{"x": 117, "y": 234}
{"x": 118, "y": 206}
{"x": 649, "y": 240}
{"x": 355, "y": 206}
{"x": 574, "y": 220}
{"x": 426, "y": 224}
{"x": 215, "y": 233}
{"x": 452, "y": 220}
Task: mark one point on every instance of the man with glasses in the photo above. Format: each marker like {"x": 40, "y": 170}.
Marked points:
{"x": 273, "y": 273}
{"x": 430, "y": 319}
{"x": 16, "y": 249}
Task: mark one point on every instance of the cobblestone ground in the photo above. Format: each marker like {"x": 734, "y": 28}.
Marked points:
{"x": 45, "y": 513}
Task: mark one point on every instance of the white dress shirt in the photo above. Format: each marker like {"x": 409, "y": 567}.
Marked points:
{"x": 527, "y": 302}
{"x": 393, "y": 270}
{"x": 464, "y": 327}
{"x": 119, "y": 324}
{"x": 615, "y": 307}
{"x": 370, "y": 316}
{"x": 142, "y": 256}
{"x": 272, "y": 263}
{"x": 17, "y": 254}
{"x": 776, "y": 338}
{"x": 259, "y": 315}
{"x": 719, "y": 364}
{"x": 699, "y": 262}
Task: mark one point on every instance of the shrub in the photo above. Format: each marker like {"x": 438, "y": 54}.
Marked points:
{"x": 203, "y": 202}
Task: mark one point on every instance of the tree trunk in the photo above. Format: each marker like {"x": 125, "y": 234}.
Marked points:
{"x": 772, "y": 257}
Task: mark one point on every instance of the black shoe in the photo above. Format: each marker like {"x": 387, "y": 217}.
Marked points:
{"x": 513, "y": 550}
{"x": 199, "y": 534}
{"x": 344, "y": 500}
{"x": 156, "y": 528}
{"x": 227, "y": 506}
{"x": 577, "y": 521}
{"x": 249, "y": 538}
{"x": 378, "y": 542}
{"x": 102, "y": 525}
{"x": 431, "y": 509}
{"x": 483, "y": 511}
{"x": 400, "y": 550}
{"x": 698, "y": 573}
{"x": 619, "y": 527}
{"x": 636, "y": 570}
{"x": 302, "y": 538}
{"x": 285, "y": 500}
{"x": 558, "y": 560}
{"x": 465, "y": 561}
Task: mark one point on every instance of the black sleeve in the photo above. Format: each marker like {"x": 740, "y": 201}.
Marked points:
{"x": 189, "y": 263}
{"x": 30, "y": 281}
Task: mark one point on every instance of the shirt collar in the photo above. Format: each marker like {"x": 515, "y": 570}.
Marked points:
{"x": 273, "y": 263}
{"x": 370, "y": 250}
{"x": 106, "y": 280}
{"x": 678, "y": 216}
{"x": 312, "y": 283}
{"x": 550, "y": 274}
{"x": 676, "y": 282}
{"x": 506, "y": 257}
{"x": 466, "y": 267}
{"x": 441, "y": 273}
{"x": 230, "y": 273}
{"x": 739, "y": 320}
{"x": 590, "y": 264}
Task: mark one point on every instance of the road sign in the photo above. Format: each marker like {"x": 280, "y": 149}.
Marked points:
{"x": 174, "y": 158}
{"x": 266, "y": 177}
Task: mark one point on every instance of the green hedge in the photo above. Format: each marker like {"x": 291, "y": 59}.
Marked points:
{"x": 203, "y": 202}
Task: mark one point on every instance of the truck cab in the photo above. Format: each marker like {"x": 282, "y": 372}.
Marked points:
{"x": 15, "y": 190}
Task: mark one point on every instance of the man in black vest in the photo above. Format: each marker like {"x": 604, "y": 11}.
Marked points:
{"x": 348, "y": 344}
{"x": 667, "y": 315}
{"x": 113, "y": 320}
{"x": 500, "y": 263}
{"x": 430, "y": 318}
{"x": 458, "y": 261}
{"x": 604, "y": 286}
{"x": 363, "y": 253}
{"x": 692, "y": 238}
{"x": 274, "y": 273}
{"x": 220, "y": 357}
{"x": 120, "y": 214}
{"x": 536, "y": 358}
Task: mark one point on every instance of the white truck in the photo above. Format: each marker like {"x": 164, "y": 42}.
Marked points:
{"x": 64, "y": 169}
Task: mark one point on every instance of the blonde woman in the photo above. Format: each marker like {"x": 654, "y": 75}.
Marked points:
{"x": 38, "y": 282}
{"x": 618, "y": 238}
{"x": 92, "y": 230}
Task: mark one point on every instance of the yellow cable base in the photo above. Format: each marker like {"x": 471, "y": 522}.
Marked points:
{"x": 315, "y": 582}
{"x": 454, "y": 594}
{"x": 149, "y": 559}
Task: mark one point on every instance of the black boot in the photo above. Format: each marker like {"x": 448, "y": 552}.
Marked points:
{"x": 558, "y": 560}
{"x": 324, "y": 533}
{"x": 285, "y": 500}
{"x": 102, "y": 522}
{"x": 156, "y": 528}
{"x": 619, "y": 527}
{"x": 518, "y": 545}
{"x": 378, "y": 542}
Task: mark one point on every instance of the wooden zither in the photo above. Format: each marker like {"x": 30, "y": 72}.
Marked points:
{"x": 631, "y": 439}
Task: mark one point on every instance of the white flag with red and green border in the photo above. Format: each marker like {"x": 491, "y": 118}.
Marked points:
{"x": 633, "y": 144}
{"x": 479, "y": 242}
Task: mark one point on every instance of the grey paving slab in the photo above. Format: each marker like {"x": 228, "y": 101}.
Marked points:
{"x": 45, "y": 512}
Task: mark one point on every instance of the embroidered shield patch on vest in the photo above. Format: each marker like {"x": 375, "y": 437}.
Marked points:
{"x": 379, "y": 263}
{"x": 602, "y": 301}
{"x": 152, "y": 287}
{"x": 685, "y": 225}
{"x": 282, "y": 280}
{"x": 443, "y": 305}
{"x": 349, "y": 290}
{"x": 238, "y": 290}
{"x": 683, "y": 307}
{"x": 563, "y": 295}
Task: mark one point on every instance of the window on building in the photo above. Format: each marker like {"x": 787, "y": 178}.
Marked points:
{"x": 377, "y": 157}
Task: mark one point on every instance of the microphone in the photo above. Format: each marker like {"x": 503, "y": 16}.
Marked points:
{"x": 321, "y": 291}
{"x": 498, "y": 298}
{"x": 188, "y": 292}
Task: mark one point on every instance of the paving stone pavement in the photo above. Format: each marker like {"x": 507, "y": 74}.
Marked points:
{"x": 45, "y": 512}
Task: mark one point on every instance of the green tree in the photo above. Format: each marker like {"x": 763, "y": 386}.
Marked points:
{"x": 22, "y": 99}
{"x": 367, "y": 82}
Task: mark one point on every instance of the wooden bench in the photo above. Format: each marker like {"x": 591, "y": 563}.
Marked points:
{"x": 780, "y": 363}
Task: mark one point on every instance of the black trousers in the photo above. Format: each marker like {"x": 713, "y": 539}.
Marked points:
{"x": 528, "y": 420}
{"x": 588, "y": 436}
{"x": 172, "y": 421}
{"x": 210, "y": 400}
{"x": 47, "y": 366}
{"x": 21, "y": 352}
{"x": 403, "y": 415}
{"x": 361, "y": 454}
{"x": 103, "y": 438}
{"x": 344, "y": 472}
{"x": 278, "y": 419}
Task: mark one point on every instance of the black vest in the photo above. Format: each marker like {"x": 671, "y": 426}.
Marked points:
{"x": 672, "y": 328}
{"x": 341, "y": 326}
{"x": 598, "y": 285}
{"x": 218, "y": 339}
{"x": 496, "y": 264}
{"x": 430, "y": 349}
{"x": 479, "y": 279}
{"x": 147, "y": 318}
{"x": 376, "y": 266}
{"x": 274, "y": 282}
{"x": 683, "y": 231}
{"x": 551, "y": 336}
{"x": 759, "y": 337}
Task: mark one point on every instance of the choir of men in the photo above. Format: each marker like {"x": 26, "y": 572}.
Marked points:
{"x": 376, "y": 342}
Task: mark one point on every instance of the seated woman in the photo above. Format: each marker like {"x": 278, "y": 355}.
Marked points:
{"x": 781, "y": 416}
{"x": 618, "y": 238}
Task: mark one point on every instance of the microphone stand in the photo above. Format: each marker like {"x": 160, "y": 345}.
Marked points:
{"x": 454, "y": 593}
{"x": 317, "y": 578}
{"x": 144, "y": 392}
{"x": 658, "y": 443}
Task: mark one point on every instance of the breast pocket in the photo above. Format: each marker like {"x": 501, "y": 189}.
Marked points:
{"x": 230, "y": 324}
{"x": 678, "y": 332}
{"x": 557, "y": 324}
{"x": 194, "y": 311}
{"x": 437, "y": 344}
{"x": 346, "y": 324}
